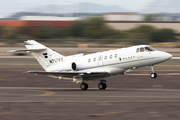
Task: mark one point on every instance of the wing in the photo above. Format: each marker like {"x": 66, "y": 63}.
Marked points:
{"x": 70, "y": 73}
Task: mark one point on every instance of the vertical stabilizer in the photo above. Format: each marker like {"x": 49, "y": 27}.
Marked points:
{"x": 44, "y": 55}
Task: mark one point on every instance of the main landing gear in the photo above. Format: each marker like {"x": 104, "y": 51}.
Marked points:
{"x": 84, "y": 86}
{"x": 102, "y": 85}
{"x": 153, "y": 74}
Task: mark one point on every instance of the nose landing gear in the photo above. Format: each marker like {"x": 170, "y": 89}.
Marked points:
{"x": 153, "y": 74}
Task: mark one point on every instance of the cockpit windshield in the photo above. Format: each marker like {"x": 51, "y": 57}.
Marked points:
{"x": 145, "y": 49}
{"x": 149, "y": 49}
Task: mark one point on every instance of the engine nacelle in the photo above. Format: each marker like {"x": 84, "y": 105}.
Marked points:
{"x": 74, "y": 66}
{"x": 68, "y": 66}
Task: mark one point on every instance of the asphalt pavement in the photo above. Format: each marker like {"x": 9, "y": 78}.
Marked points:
{"x": 38, "y": 94}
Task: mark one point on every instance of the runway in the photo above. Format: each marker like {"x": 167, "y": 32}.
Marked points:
{"x": 132, "y": 96}
{"x": 30, "y": 94}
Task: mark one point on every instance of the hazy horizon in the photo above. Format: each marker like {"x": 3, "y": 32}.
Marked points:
{"x": 9, "y": 7}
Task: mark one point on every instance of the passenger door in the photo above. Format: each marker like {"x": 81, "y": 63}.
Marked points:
{"x": 100, "y": 60}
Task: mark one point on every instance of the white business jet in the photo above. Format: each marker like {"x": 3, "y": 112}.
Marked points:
{"x": 99, "y": 66}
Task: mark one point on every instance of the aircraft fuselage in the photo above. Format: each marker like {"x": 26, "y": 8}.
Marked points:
{"x": 114, "y": 62}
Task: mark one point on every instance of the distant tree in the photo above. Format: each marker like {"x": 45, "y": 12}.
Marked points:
{"x": 141, "y": 34}
{"x": 61, "y": 33}
{"x": 152, "y": 17}
{"x": 12, "y": 35}
{"x": 146, "y": 29}
{"x": 2, "y": 31}
{"x": 77, "y": 30}
{"x": 163, "y": 35}
{"x": 97, "y": 29}
{"x": 25, "y": 30}
{"x": 7, "y": 32}
{"x": 44, "y": 31}
{"x": 93, "y": 27}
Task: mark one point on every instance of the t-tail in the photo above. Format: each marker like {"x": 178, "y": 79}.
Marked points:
{"x": 44, "y": 55}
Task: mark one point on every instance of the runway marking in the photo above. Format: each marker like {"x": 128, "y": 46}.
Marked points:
{"x": 175, "y": 58}
{"x": 167, "y": 74}
{"x": 167, "y": 70}
{"x": 46, "y": 93}
{"x": 18, "y": 64}
{"x": 168, "y": 65}
{"x": 95, "y": 96}
{"x": 90, "y": 89}
{"x": 153, "y": 101}
{"x": 4, "y": 113}
{"x": 99, "y": 96}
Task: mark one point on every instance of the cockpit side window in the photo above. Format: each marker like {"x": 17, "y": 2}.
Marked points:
{"x": 149, "y": 49}
{"x": 137, "y": 50}
{"x": 141, "y": 49}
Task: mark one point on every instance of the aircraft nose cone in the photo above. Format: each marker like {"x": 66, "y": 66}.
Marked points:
{"x": 167, "y": 56}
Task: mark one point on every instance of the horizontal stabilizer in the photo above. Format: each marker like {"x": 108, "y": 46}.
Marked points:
{"x": 27, "y": 50}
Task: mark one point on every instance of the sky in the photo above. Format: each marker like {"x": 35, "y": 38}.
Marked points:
{"x": 130, "y": 4}
{"x": 7, "y": 7}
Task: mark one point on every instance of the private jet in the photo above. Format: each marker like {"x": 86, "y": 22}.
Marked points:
{"x": 98, "y": 66}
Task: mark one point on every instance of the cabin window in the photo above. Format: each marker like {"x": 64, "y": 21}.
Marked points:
{"x": 105, "y": 57}
{"x": 120, "y": 58}
{"x": 89, "y": 60}
{"x": 141, "y": 49}
{"x": 100, "y": 58}
{"x": 115, "y": 55}
{"x": 94, "y": 59}
{"x": 137, "y": 50}
{"x": 110, "y": 56}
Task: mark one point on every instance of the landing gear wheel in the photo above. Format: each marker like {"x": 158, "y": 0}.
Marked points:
{"x": 84, "y": 86}
{"x": 153, "y": 75}
{"x": 102, "y": 86}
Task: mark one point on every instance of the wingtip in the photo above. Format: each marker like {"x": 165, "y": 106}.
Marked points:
{"x": 27, "y": 72}
{"x": 11, "y": 51}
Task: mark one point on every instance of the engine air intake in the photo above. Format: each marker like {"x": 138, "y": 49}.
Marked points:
{"x": 74, "y": 67}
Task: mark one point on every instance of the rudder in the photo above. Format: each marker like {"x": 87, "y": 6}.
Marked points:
{"x": 44, "y": 55}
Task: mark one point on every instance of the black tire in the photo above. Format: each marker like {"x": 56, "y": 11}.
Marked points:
{"x": 153, "y": 75}
{"x": 105, "y": 86}
{"x": 102, "y": 86}
{"x": 84, "y": 86}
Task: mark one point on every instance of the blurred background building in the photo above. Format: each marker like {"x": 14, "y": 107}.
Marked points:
{"x": 123, "y": 16}
{"x": 74, "y": 20}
